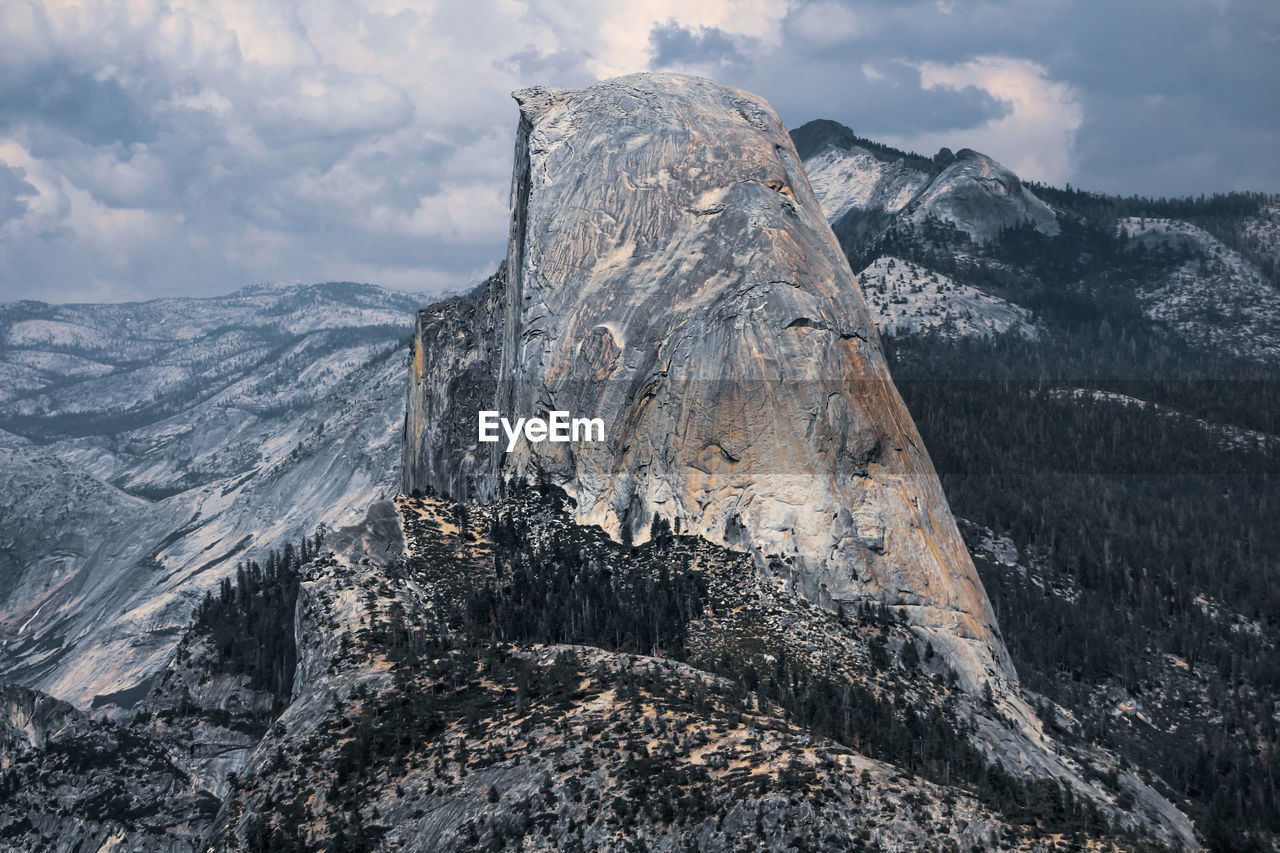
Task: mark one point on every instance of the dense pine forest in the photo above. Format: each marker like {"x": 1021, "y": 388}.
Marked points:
{"x": 250, "y": 620}
{"x": 1139, "y": 479}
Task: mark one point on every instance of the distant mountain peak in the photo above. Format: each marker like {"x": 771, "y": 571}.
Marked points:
{"x": 863, "y": 186}
{"x": 981, "y": 197}
{"x": 268, "y": 287}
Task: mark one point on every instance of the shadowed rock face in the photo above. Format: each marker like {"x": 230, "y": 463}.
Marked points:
{"x": 452, "y": 375}
{"x": 671, "y": 272}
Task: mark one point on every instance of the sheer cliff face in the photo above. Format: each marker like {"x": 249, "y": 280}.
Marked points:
{"x": 453, "y": 374}
{"x": 671, "y": 272}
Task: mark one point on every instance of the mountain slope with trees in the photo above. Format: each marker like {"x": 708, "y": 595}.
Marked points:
{"x": 1127, "y": 458}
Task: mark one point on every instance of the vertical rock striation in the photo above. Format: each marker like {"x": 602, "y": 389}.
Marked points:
{"x": 453, "y": 373}
{"x": 671, "y": 272}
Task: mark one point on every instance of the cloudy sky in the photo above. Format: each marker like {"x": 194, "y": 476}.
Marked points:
{"x": 190, "y": 147}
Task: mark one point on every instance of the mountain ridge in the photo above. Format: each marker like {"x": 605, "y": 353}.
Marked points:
{"x": 967, "y": 208}
{"x": 267, "y": 415}
{"x": 362, "y": 614}
{"x": 1127, "y": 439}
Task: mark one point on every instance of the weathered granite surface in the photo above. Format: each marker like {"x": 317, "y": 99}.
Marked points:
{"x": 28, "y": 718}
{"x": 453, "y": 373}
{"x": 671, "y": 272}
{"x": 980, "y": 197}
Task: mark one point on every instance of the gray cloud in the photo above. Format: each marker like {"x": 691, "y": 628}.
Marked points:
{"x": 95, "y": 110}
{"x": 567, "y": 68}
{"x": 1173, "y": 96}
{"x": 704, "y": 48}
{"x": 177, "y": 148}
{"x": 14, "y": 193}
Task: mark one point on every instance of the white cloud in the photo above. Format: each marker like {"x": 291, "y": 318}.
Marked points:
{"x": 421, "y": 278}
{"x": 1036, "y": 134}
{"x": 873, "y": 74}
{"x": 617, "y": 34}
{"x": 48, "y": 204}
{"x": 270, "y": 140}
{"x": 466, "y": 213}
{"x": 116, "y": 234}
{"x": 322, "y": 102}
{"x": 182, "y": 145}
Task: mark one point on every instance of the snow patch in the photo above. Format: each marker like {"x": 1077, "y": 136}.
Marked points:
{"x": 48, "y": 333}
{"x": 1219, "y": 300}
{"x": 1229, "y": 436}
{"x": 906, "y": 298}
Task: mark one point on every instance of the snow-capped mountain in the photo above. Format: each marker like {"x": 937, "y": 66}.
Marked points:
{"x": 150, "y": 446}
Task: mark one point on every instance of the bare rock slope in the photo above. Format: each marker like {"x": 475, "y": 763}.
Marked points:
{"x": 979, "y": 196}
{"x": 671, "y": 272}
{"x": 149, "y": 447}
{"x": 413, "y": 726}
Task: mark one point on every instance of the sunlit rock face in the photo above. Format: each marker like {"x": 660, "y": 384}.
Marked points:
{"x": 671, "y": 272}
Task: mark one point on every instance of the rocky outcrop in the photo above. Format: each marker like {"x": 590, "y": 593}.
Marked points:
{"x": 671, "y": 272}
{"x": 410, "y": 725}
{"x": 452, "y": 375}
{"x": 72, "y": 783}
{"x": 861, "y": 185}
{"x": 865, "y": 188}
{"x": 1217, "y": 298}
{"x": 980, "y": 197}
{"x": 209, "y": 719}
{"x": 406, "y": 732}
{"x": 28, "y": 718}
{"x": 907, "y": 299}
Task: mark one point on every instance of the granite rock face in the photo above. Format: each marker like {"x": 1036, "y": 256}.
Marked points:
{"x": 979, "y": 196}
{"x": 860, "y": 185}
{"x": 865, "y": 188}
{"x": 28, "y": 719}
{"x": 453, "y": 374}
{"x": 71, "y": 783}
{"x": 671, "y": 272}
{"x": 167, "y": 441}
